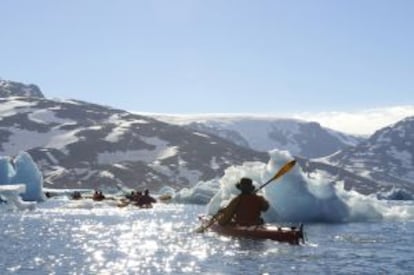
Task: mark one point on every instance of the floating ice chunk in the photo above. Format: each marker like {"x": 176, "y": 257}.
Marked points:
{"x": 10, "y": 193}
{"x": 201, "y": 193}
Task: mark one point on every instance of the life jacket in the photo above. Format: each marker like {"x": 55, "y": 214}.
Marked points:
{"x": 249, "y": 208}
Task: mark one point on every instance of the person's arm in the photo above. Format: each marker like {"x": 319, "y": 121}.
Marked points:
{"x": 265, "y": 204}
{"x": 227, "y": 213}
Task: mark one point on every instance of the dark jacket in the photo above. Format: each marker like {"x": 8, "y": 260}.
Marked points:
{"x": 249, "y": 208}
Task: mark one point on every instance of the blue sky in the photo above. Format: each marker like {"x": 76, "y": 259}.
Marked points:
{"x": 214, "y": 56}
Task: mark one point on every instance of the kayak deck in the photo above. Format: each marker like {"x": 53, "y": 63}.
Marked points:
{"x": 292, "y": 235}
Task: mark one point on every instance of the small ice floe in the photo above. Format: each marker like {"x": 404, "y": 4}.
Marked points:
{"x": 11, "y": 194}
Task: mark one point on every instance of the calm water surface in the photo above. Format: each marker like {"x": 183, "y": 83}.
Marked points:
{"x": 67, "y": 237}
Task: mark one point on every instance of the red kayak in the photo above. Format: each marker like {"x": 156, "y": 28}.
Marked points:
{"x": 292, "y": 235}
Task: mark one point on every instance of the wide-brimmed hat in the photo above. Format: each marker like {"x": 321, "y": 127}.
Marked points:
{"x": 245, "y": 185}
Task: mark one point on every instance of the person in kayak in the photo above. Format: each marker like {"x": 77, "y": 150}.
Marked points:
{"x": 246, "y": 208}
{"x": 76, "y": 195}
{"x": 146, "y": 201}
{"x": 98, "y": 196}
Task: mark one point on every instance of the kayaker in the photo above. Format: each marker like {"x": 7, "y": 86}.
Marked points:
{"x": 130, "y": 195}
{"x": 137, "y": 196}
{"x": 146, "y": 200}
{"x": 247, "y": 207}
{"x": 98, "y": 196}
{"x": 76, "y": 195}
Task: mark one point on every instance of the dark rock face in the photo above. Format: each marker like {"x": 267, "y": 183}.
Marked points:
{"x": 11, "y": 88}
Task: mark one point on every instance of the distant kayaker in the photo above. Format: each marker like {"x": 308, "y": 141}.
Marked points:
{"x": 130, "y": 195}
{"x": 146, "y": 200}
{"x": 137, "y": 196}
{"x": 98, "y": 196}
{"x": 246, "y": 208}
{"x": 76, "y": 195}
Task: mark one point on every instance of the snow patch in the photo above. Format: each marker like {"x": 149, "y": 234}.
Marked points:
{"x": 168, "y": 152}
{"x": 122, "y": 126}
{"x": 47, "y": 117}
{"x": 213, "y": 164}
{"x": 161, "y": 151}
{"x": 201, "y": 135}
{"x": 13, "y": 106}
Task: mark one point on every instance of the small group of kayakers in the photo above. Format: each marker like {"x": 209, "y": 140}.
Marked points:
{"x": 244, "y": 210}
{"x": 143, "y": 200}
{"x": 97, "y": 196}
{"x": 137, "y": 198}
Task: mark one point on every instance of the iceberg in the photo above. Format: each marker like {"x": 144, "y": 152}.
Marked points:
{"x": 297, "y": 196}
{"x": 23, "y": 170}
{"x": 201, "y": 193}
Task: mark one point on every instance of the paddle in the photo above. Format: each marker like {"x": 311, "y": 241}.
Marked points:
{"x": 285, "y": 168}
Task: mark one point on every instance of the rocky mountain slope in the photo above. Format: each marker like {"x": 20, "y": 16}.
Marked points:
{"x": 386, "y": 158}
{"x": 301, "y": 138}
{"x": 78, "y": 144}
{"x": 383, "y": 163}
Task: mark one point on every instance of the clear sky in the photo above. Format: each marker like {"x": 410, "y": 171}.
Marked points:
{"x": 214, "y": 56}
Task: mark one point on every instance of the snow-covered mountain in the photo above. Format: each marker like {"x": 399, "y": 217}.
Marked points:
{"x": 301, "y": 138}
{"x": 383, "y": 162}
{"x": 78, "y": 144}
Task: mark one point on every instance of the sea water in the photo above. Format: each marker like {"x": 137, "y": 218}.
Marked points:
{"x": 86, "y": 237}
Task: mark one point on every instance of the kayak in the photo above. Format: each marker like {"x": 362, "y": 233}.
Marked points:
{"x": 292, "y": 235}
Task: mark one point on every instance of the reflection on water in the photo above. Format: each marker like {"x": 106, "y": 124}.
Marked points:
{"x": 66, "y": 237}
{"x": 79, "y": 239}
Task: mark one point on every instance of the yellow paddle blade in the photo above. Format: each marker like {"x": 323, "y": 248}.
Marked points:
{"x": 285, "y": 168}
